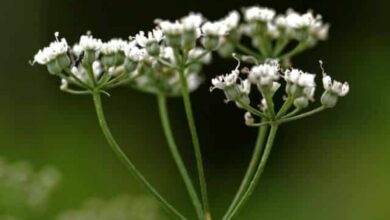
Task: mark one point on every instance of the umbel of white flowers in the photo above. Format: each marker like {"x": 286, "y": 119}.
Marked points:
{"x": 270, "y": 32}
{"x": 300, "y": 87}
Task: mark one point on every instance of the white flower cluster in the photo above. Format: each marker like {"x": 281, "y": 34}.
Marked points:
{"x": 300, "y": 86}
{"x": 119, "y": 208}
{"x": 271, "y": 32}
{"x": 29, "y": 189}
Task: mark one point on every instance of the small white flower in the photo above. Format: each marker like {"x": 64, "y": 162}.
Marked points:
{"x": 47, "y": 54}
{"x": 113, "y": 46}
{"x": 340, "y": 89}
{"x": 153, "y": 36}
{"x": 245, "y": 86}
{"x": 97, "y": 68}
{"x": 134, "y": 53}
{"x": 305, "y": 81}
{"x": 297, "y": 21}
{"x": 256, "y": 13}
{"x": 231, "y": 21}
{"x": 167, "y": 53}
{"x": 273, "y": 31}
{"x": 264, "y": 74}
{"x": 223, "y": 81}
{"x": 192, "y": 21}
{"x": 64, "y": 84}
{"x": 87, "y": 42}
{"x": 194, "y": 81}
{"x": 214, "y": 28}
{"x": 171, "y": 28}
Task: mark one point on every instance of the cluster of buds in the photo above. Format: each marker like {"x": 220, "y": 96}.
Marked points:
{"x": 271, "y": 33}
{"x": 300, "y": 89}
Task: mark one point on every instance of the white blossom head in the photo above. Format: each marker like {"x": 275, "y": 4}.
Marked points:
{"x": 154, "y": 36}
{"x": 300, "y": 83}
{"x": 192, "y": 21}
{"x": 214, "y": 28}
{"x": 264, "y": 74}
{"x": 258, "y": 14}
{"x": 88, "y": 42}
{"x": 231, "y": 21}
{"x": 50, "y": 53}
{"x": 333, "y": 86}
{"x": 113, "y": 46}
{"x": 171, "y": 28}
{"x": 224, "y": 81}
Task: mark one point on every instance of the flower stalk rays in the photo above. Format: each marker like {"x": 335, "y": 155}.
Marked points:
{"x": 168, "y": 62}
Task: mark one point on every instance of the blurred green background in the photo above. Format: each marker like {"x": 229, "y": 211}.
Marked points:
{"x": 335, "y": 165}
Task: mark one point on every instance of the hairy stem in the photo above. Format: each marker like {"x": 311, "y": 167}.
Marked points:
{"x": 163, "y": 109}
{"x": 126, "y": 161}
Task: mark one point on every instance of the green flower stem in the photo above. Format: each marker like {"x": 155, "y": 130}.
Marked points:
{"x": 270, "y": 104}
{"x": 248, "y": 51}
{"x": 78, "y": 80}
{"x": 285, "y": 107}
{"x": 280, "y": 46}
{"x": 126, "y": 161}
{"x": 303, "y": 115}
{"x": 292, "y": 113}
{"x": 250, "y": 171}
{"x": 162, "y": 104}
{"x": 258, "y": 172}
{"x": 195, "y": 141}
{"x": 298, "y": 49}
{"x": 252, "y": 110}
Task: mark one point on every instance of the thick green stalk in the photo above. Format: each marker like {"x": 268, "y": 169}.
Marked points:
{"x": 126, "y": 161}
{"x": 163, "y": 109}
{"x": 195, "y": 141}
{"x": 250, "y": 171}
{"x": 259, "y": 171}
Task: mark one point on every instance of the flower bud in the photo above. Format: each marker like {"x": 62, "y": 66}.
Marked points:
{"x": 53, "y": 67}
{"x": 210, "y": 42}
{"x": 153, "y": 49}
{"x": 108, "y": 60}
{"x": 329, "y": 99}
{"x": 173, "y": 40}
{"x": 232, "y": 92}
{"x": 130, "y": 65}
{"x": 249, "y": 120}
{"x": 63, "y": 61}
{"x": 301, "y": 102}
{"x": 293, "y": 90}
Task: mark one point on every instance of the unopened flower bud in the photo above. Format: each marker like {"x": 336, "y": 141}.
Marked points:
{"x": 210, "y": 42}
{"x": 153, "y": 49}
{"x": 63, "y": 61}
{"x": 249, "y": 118}
{"x": 53, "y": 67}
{"x": 108, "y": 60}
{"x": 329, "y": 99}
{"x": 301, "y": 102}
{"x": 173, "y": 40}
{"x": 130, "y": 65}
